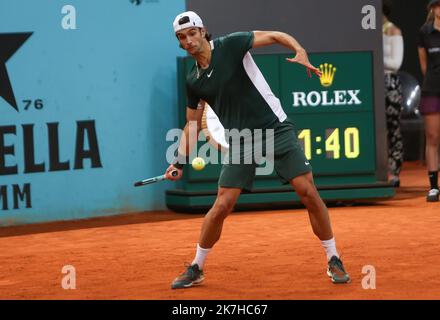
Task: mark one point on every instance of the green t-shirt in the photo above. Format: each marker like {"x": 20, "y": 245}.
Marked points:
{"x": 234, "y": 86}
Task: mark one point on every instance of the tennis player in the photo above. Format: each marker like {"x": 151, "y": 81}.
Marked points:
{"x": 225, "y": 76}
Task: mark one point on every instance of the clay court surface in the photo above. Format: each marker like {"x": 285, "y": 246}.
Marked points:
{"x": 262, "y": 255}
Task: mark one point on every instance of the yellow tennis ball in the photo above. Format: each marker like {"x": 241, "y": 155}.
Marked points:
{"x": 198, "y": 163}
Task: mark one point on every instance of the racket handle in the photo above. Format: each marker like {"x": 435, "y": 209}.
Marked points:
{"x": 174, "y": 173}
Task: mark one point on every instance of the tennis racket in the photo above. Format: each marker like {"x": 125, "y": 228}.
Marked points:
{"x": 154, "y": 179}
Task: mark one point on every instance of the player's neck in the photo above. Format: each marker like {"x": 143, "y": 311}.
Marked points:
{"x": 203, "y": 58}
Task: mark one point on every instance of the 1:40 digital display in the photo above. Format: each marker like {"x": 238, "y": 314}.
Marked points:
{"x": 330, "y": 144}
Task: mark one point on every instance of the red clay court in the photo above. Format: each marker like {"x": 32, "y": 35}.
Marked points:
{"x": 262, "y": 255}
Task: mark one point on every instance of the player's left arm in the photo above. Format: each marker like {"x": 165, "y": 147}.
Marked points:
{"x": 266, "y": 38}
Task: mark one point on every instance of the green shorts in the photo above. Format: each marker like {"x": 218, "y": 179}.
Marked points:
{"x": 287, "y": 153}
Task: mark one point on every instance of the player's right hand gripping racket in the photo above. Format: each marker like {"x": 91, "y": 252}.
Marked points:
{"x": 154, "y": 179}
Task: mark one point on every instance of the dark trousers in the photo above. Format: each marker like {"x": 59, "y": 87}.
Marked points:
{"x": 393, "y": 108}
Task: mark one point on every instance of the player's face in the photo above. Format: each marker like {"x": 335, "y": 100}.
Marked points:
{"x": 191, "y": 39}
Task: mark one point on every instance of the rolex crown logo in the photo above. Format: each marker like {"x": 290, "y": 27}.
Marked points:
{"x": 328, "y": 73}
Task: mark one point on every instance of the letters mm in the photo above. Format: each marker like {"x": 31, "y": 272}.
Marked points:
{"x": 19, "y": 195}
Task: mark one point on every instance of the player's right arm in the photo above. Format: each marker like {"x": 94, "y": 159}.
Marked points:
{"x": 189, "y": 137}
{"x": 266, "y": 38}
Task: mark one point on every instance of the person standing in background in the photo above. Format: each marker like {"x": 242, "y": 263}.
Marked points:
{"x": 429, "y": 56}
{"x": 393, "y": 58}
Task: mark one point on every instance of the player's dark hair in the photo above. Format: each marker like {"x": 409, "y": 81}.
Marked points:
{"x": 208, "y": 36}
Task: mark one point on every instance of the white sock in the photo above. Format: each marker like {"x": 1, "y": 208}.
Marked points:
{"x": 200, "y": 256}
{"x": 330, "y": 248}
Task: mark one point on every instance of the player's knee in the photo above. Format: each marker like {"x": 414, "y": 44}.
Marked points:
{"x": 307, "y": 192}
{"x": 221, "y": 210}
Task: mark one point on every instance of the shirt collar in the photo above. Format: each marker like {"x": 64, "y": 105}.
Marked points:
{"x": 211, "y": 43}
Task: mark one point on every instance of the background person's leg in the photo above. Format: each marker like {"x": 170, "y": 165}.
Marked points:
{"x": 393, "y": 109}
{"x": 432, "y": 133}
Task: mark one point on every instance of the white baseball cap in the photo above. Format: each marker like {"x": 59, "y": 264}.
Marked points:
{"x": 187, "y": 19}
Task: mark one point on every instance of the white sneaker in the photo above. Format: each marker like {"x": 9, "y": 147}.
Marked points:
{"x": 433, "y": 195}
